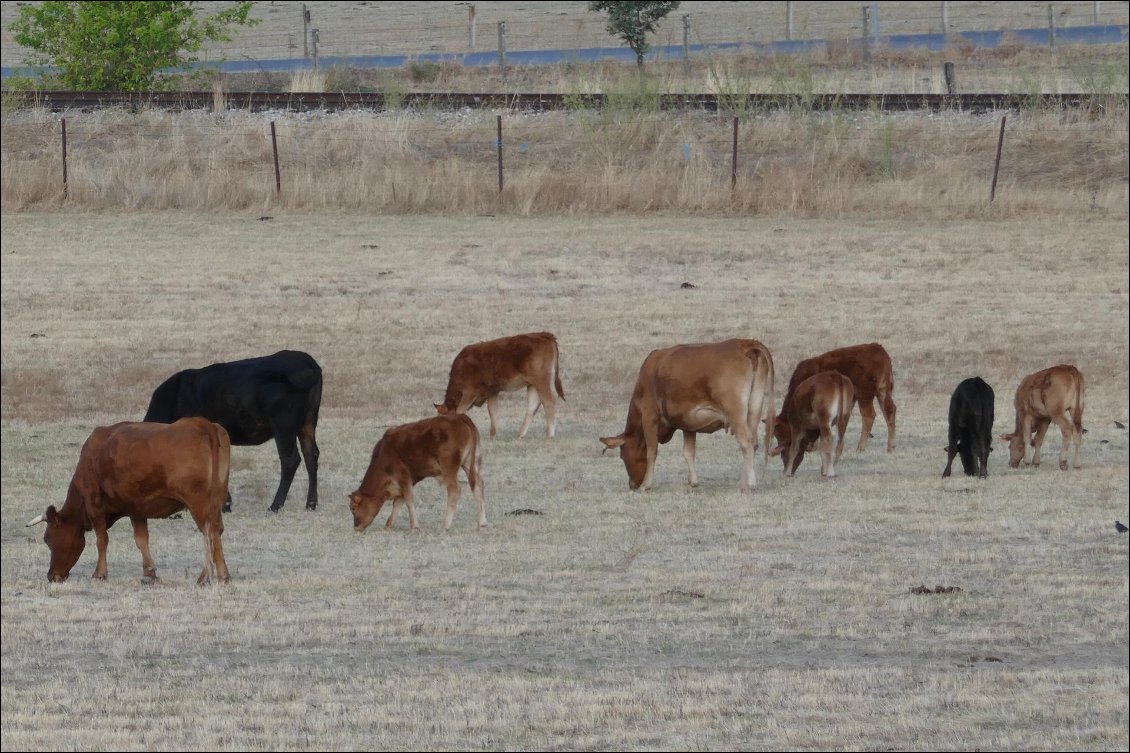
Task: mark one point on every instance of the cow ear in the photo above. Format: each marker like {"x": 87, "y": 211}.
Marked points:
{"x": 51, "y": 516}
{"x": 440, "y": 408}
{"x": 611, "y": 443}
{"x": 354, "y": 501}
{"x": 946, "y": 449}
{"x": 776, "y": 451}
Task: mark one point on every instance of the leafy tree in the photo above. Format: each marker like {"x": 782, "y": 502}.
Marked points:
{"x": 120, "y": 46}
{"x": 633, "y": 21}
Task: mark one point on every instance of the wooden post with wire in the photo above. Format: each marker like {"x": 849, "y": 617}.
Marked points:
{"x": 64, "y": 122}
{"x": 997, "y": 164}
{"x": 734, "y": 159}
{"x": 275, "y": 149}
{"x": 499, "y": 142}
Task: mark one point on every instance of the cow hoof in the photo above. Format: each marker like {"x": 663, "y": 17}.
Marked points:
{"x": 312, "y": 507}
{"x": 274, "y": 508}
{"x": 1063, "y": 465}
{"x": 226, "y": 508}
{"x": 96, "y": 576}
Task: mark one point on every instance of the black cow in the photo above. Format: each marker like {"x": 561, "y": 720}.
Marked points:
{"x": 254, "y": 400}
{"x": 971, "y": 427}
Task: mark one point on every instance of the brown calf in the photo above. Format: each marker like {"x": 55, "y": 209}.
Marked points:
{"x": 697, "y": 388}
{"x": 818, "y": 404}
{"x": 482, "y": 370}
{"x": 1041, "y": 398}
{"x": 869, "y": 369}
{"x": 437, "y": 446}
{"x": 141, "y": 471}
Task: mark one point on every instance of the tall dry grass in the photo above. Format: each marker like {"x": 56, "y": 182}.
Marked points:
{"x": 621, "y": 159}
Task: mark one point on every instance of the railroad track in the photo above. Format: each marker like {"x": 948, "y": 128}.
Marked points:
{"x": 335, "y": 101}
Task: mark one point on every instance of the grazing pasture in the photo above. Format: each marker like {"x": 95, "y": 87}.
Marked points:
{"x": 888, "y": 608}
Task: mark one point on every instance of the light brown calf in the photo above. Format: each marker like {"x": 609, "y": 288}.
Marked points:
{"x": 437, "y": 446}
{"x": 697, "y": 388}
{"x": 818, "y": 405}
{"x": 1042, "y": 398}
{"x": 869, "y": 369}
{"x": 139, "y": 471}
{"x": 483, "y": 370}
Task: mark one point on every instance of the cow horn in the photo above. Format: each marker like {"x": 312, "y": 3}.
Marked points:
{"x": 40, "y": 519}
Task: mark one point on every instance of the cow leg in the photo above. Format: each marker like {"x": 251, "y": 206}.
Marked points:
{"x": 950, "y": 455}
{"x": 1036, "y": 440}
{"x": 827, "y": 466}
{"x": 289, "y": 460}
{"x": 867, "y": 413}
{"x": 492, "y": 406}
{"x": 545, "y": 397}
{"x": 410, "y": 503}
{"x": 1068, "y": 430}
{"x": 889, "y": 410}
{"x": 453, "y": 493}
{"x": 396, "y": 504}
{"x": 747, "y": 441}
{"x": 103, "y": 539}
{"x": 532, "y": 403}
{"x": 141, "y": 538}
{"x": 310, "y": 454}
{"x": 688, "y": 453}
{"x": 211, "y": 528}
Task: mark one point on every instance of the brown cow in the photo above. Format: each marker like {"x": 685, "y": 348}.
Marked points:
{"x": 817, "y": 405}
{"x": 141, "y": 471}
{"x": 869, "y": 369}
{"x": 1041, "y": 398}
{"x": 482, "y": 370}
{"x": 437, "y": 446}
{"x": 697, "y": 388}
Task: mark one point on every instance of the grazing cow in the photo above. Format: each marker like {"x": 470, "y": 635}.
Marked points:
{"x": 820, "y": 404}
{"x": 697, "y": 388}
{"x": 971, "y": 427}
{"x": 141, "y": 471}
{"x": 437, "y": 446}
{"x": 1041, "y": 398}
{"x": 255, "y": 399}
{"x": 869, "y": 369}
{"x": 482, "y": 370}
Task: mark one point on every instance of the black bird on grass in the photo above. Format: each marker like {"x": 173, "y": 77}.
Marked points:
{"x": 1120, "y": 528}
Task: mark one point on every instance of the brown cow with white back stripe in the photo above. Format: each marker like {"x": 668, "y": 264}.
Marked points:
{"x": 697, "y": 389}
{"x": 483, "y": 370}
{"x": 1042, "y": 398}
{"x": 817, "y": 409}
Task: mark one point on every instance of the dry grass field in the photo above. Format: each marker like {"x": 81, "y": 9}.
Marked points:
{"x": 669, "y": 619}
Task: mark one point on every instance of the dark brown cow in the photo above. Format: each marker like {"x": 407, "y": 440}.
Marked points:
{"x": 482, "y": 370}
{"x": 869, "y": 369}
{"x": 820, "y": 404}
{"x": 437, "y": 446}
{"x": 141, "y": 471}
{"x": 697, "y": 388}
{"x": 1042, "y": 398}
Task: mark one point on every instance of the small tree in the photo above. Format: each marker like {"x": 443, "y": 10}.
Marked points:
{"x": 120, "y": 46}
{"x": 633, "y": 21}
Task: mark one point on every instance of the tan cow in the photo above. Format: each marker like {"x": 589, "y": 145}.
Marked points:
{"x": 437, "y": 446}
{"x": 697, "y": 389}
{"x": 820, "y": 404}
{"x": 483, "y": 370}
{"x": 1041, "y": 398}
{"x": 141, "y": 471}
{"x": 869, "y": 369}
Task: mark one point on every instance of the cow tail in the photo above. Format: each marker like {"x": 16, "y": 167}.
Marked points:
{"x": 557, "y": 370}
{"x": 221, "y": 469}
{"x": 771, "y": 416}
{"x": 1077, "y": 411}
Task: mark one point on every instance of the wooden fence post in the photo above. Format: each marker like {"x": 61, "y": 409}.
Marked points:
{"x": 499, "y": 117}
{"x": 734, "y": 159}
{"x": 275, "y": 149}
{"x": 997, "y": 164}
{"x": 951, "y": 78}
{"x": 64, "y": 121}
{"x": 502, "y": 50}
